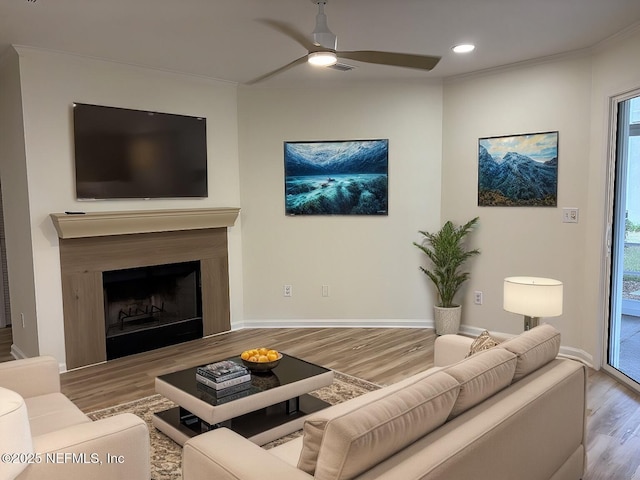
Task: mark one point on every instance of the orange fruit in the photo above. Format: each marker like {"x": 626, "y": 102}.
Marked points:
{"x": 261, "y": 354}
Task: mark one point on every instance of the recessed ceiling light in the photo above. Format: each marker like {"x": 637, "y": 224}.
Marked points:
{"x": 464, "y": 48}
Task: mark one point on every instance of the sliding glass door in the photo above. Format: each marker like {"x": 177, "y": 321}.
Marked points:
{"x": 623, "y": 354}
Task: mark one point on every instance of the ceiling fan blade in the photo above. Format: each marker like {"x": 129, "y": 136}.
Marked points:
{"x": 421, "y": 62}
{"x": 290, "y": 31}
{"x": 300, "y": 60}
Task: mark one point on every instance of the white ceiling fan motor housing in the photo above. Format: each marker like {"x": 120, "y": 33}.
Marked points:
{"x": 322, "y": 36}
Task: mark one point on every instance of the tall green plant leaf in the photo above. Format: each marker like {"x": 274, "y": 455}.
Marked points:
{"x": 446, "y": 252}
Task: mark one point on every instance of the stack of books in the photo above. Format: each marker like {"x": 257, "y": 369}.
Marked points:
{"x": 218, "y": 397}
{"x": 225, "y": 376}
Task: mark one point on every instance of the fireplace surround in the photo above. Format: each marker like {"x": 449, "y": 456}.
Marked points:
{"x": 94, "y": 243}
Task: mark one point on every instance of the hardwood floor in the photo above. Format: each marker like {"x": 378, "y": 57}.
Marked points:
{"x": 379, "y": 355}
{"x": 613, "y": 429}
{"x": 5, "y": 344}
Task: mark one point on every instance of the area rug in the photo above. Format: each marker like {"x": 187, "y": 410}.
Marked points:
{"x": 166, "y": 455}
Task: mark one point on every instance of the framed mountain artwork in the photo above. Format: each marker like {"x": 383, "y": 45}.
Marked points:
{"x": 518, "y": 170}
{"x": 345, "y": 177}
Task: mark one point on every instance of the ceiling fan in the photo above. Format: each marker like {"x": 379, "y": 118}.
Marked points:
{"x": 322, "y": 49}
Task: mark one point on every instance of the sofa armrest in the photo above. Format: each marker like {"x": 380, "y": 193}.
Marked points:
{"x": 224, "y": 455}
{"x": 113, "y": 448}
{"x": 31, "y": 377}
{"x": 449, "y": 349}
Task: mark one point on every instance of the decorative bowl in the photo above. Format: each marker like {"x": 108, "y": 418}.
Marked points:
{"x": 262, "y": 366}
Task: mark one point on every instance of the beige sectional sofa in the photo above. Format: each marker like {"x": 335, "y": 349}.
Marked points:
{"x": 514, "y": 411}
{"x": 43, "y": 435}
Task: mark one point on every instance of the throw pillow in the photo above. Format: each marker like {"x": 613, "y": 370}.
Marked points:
{"x": 483, "y": 342}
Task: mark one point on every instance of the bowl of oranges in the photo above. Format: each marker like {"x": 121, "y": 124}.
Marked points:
{"x": 260, "y": 359}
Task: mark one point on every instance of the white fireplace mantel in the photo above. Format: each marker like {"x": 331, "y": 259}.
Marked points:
{"x": 98, "y": 224}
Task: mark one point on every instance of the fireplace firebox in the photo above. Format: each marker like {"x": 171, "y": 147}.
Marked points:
{"x": 151, "y": 307}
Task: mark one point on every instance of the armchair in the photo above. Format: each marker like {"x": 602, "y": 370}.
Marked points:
{"x": 45, "y": 436}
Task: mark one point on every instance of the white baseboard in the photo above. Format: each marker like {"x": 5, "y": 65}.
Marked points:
{"x": 334, "y": 323}
{"x": 16, "y": 352}
{"x": 470, "y": 330}
{"x": 19, "y": 354}
{"x": 577, "y": 354}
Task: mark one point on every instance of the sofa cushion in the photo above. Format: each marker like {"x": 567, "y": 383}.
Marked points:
{"x": 48, "y": 413}
{"x": 484, "y": 341}
{"x": 534, "y": 348}
{"x": 354, "y": 442}
{"x": 314, "y": 426}
{"x": 480, "y": 376}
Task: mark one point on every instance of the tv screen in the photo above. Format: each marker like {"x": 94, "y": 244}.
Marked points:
{"x": 122, "y": 153}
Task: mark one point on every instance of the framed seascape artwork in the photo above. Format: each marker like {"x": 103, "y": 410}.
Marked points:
{"x": 347, "y": 177}
{"x": 518, "y": 170}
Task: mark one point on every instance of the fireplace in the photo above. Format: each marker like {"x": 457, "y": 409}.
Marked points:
{"x": 98, "y": 249}
{"x": 151, "y": 307}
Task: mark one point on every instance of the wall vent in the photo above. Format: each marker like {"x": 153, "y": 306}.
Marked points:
{"x": 342, "y": 67}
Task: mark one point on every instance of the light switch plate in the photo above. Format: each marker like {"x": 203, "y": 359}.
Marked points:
{"x": 569, "y": 215}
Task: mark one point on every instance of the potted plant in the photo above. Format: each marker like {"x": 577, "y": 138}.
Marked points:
{"x": 447, "y": 254}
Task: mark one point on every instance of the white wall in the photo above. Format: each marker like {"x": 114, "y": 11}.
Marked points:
{"x": 571, "y": 95}
{"x": 50, "y": 83}
{"x": 15, "y": 204}
{"x": 521, "y": 240}
{"x": 369, "y": 263}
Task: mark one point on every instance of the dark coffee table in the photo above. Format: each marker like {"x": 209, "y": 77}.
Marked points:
{"x": 274, "y": 405}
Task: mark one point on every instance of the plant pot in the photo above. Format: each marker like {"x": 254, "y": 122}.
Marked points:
{"x": 447, "y": 319}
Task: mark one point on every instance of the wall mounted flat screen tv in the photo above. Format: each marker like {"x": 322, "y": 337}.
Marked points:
{"x": 122, "y": 153}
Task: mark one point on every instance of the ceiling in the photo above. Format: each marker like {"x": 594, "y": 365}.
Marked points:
{"x": 224, "y": 39}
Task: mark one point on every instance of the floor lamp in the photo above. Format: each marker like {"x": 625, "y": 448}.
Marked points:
{"x": 533, "y": 297}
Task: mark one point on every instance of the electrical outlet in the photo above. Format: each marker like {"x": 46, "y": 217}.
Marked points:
{"x": 477, "y": 297}
{"x": 287, "y": 291}
{"x": 325, "y": 290}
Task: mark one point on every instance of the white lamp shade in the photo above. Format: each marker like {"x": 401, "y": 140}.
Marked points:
{"x": 533, "y": 296}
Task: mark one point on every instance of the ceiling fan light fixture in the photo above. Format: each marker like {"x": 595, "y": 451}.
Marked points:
{"x": 322, "y": 50}
{"x": 322, "y": 59}
{"x": 464, "y": 48}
